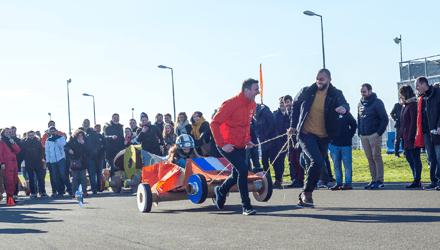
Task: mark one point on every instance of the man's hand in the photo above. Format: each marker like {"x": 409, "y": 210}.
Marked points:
{"x": 341, "y": 110}
{"x": 71, "y": 152}
{"x": 161, "y": 148}
{"x": 3, "y": 166}
{"x": 125, "y": 142}
{"x": 291, "y": 131}
{"x": 144, "y": 129}
{"x": 12, "y": 141}
{"x": 228, "y": 148}
{"x": 81, "y": 141}
{"x": 115, "y": 137}
{"x": 438, "y": 131}
{"x": 250, "y": 145}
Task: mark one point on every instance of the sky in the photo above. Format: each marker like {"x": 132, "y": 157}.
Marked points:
{"x": 111, "y": 49}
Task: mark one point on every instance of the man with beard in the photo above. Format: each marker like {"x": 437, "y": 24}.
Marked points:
{"x": 159, "y": 122}
{"x": 315, "y": 116}
{"x": 95, "y": 146}
{"x": 372, "y": 123}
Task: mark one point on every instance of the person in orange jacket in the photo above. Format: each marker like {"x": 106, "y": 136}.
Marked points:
{"x": 8, "y": 162}
{"x": 231, "y": 131}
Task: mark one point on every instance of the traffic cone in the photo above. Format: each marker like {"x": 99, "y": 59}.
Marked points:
{"x": 10, "y": 202}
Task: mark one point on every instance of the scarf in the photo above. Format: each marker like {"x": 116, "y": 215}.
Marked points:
{"x": 196, "y": 127}
{"x": 8, "y": 142}
{"x": 182, "y": 127}
{"x": 419, "y": 134}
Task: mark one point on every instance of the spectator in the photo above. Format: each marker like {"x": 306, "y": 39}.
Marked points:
{"x": 429, "y": 106}
{"x": 37, "y": 135}
{"x": 372, "y": 122}
{"x": 408, "y": 132}
{"x": 114, "y": 135}
{"x": 133, "y": 126}
{"x": 159, "y": 122}
{"x": 52, "y": 175}
{"x": 253, "y": 153}
{"x": 169, "y": 138}
{"x": 199, "y": 133}
{"x": 231, "y": 129}
{"x": 151, "y": 139}
{"x": 130, "y": 138}
{"x": 18, "y": 156}
{"x": 94, "y": 147}
{"x": 266, "y": 130}
{"x": 341, "y": 151}
{"x": 281, "y": 117}
{"x": 184, "y": 149}
{"x": 296, "y": 171}
{"x": 8, "y": 163}
{"x": 395, "y": 114}
{"x": 101, "y": 156}
{"x": 315, "y": 115}
{"x": 79, "y": 150}
{"x": 183, "y": 126}
{"x": 57, "y": 158}
{"x": 33, "y": 157}
{"x": 168, "y": 119}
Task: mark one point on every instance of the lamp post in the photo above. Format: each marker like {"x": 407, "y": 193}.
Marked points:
{"x": 94, "y": 114}
{"x": 172, "y": 80}
{"x": 398, "y": 40}
{"x": 132, "y": 113}
{"x": 310, "y": 13}
{"x": 50, "y": 116}
{"x": 68, "y": 106}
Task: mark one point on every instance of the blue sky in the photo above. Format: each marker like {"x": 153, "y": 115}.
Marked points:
{"x": 111, "y": 49}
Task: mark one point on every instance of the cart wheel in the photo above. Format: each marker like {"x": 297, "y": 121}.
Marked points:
{"x": 197, "y": 188}
{"x": 144, "y": 197}
{"x": 136, "y": 178}
{"x": 266, "y": 190}
{"x": 118, "y": 182}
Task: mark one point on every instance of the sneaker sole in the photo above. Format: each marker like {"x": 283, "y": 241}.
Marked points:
{"x": 251, "y": 213}
{"x": 299, "y": 206}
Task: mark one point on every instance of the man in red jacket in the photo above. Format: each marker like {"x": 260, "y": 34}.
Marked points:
{"x": 231, "y": 131}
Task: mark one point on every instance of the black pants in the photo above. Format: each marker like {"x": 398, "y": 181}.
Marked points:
{"x": 268, "y": 156}
{"x": 316, "y": 151}
{"x": 397, "y": 142}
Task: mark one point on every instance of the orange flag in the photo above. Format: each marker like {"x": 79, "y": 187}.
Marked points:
{"x": 261, "y": 83}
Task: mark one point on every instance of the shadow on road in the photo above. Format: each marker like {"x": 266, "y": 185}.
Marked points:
{"x": 20, "y": 231}
{"x": 26, "y": 216}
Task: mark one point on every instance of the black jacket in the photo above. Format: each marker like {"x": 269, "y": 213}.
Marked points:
{"x": 80, "y": 151}
{"x": 19, "y": 156}
{"x": 395, "y": 114}
{"x": 265, "y": 127}
{"x": 204, "y": 134}
{"x": 282, "y": 126}
{"x": 103, "y": 143}
{"x": 372, "y": 116}
{"x": 303, "y": 103}
{"x": 114, "y": 146}
{"x": 160, "y": 126}
{"x": 346, "y": 131}
{"x": 94, "y": 143}
{"x": 150, "y": 140}
{"x": 32, "y": 154}
{"x": 432, "y": 111}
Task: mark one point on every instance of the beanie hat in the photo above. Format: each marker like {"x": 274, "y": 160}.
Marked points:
{"x": 143, "y": 114}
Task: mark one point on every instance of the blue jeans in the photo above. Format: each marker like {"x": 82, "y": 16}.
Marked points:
{"x": 342, "y": 155}
{"x": 432, "y": 154}
{"x": 413, "y": 158}
{"x": 37, "y": 175}
{"x": 60, "y": 168}
{"x": 92, "y": 175}
{"x": 79, "y": 177}
{"x": 315, "y": 150}
{"x": 239, "y": 175}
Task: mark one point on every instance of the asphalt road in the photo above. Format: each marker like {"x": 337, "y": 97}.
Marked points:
{"x": 393, "y": 218}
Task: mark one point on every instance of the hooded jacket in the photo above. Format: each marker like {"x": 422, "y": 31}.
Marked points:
{"x": 32, "y": 153}
{"x": 114, "y": 146}
{"x": 372, "y": 116}
{"x": 303, "y": 103}
{"x": 54, "y": 148}
{"x": 265, "y": 126}
{"x": 231, "y": 124}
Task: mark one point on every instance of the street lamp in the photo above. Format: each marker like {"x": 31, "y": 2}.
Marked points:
{"x": 94, "y": 114}
{"x": 50, "y": 116}
{"x": 132, "y": 113}
{"x": 398, "y": 40}
{"x": 68, "y": 106}
{"x": 172, "y": 80}
{"x": 310, "y": 13}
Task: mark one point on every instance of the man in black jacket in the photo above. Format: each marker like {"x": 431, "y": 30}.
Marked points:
{"x": 95, "y": 146}
{"x": 114, "y": 135}
{"x": 151, "y": 139}
{"x": 395, "y": 114}
{"x": 372, "y": 123}
{"x": 341, "y": 151}
{"x": 430, "y": 122}
{"x": 315, "y": 115}
{"x": 159, "y": 122}
{"x": 281, "y": 117}
{"x": 100, "y": 158}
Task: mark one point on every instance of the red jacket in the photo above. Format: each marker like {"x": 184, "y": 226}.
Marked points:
{"x": 232, "y": 123}
{"x": 6, "y": 154}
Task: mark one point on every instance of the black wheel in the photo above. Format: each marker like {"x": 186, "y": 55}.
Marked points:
{"x": 118, "y": 182}
{"x": 144, "y": 198}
